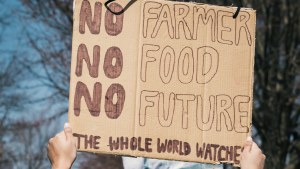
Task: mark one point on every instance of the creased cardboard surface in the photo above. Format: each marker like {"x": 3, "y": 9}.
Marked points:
{"x": 167, "y": 80}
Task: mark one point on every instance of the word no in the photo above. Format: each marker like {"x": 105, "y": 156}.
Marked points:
{"x": 112, "y": 66}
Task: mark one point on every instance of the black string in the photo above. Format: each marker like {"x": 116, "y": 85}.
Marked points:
{"x": 238, "y": 2}
{"x": 119, "y": 12}
{"x": 239, "y": 5}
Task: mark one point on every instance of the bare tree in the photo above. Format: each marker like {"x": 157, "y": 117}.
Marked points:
{"x": 27, "y": 148}
{"x": 9, "y": 101}
{"x": 51, "y": 43}
{"x": 277, "y": 85}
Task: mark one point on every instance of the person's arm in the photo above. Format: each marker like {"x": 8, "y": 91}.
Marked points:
{"x": 62, "y": 149}
{"x": 252, "y": 157}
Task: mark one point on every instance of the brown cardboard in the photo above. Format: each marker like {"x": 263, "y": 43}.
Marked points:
{"x": 166, "y": 80}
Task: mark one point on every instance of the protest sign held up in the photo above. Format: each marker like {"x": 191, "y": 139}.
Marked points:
{"x": 165, "y": 79}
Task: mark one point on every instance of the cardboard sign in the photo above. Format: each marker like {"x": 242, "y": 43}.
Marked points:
{"x": 165, "y": 79}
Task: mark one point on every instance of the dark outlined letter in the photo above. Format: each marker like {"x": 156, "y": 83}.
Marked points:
{"x": 113, "y": 29}
{"x": 205, "y": 17}
{"x": 181, "y": 11}
{"x": 223, "y": 29}
{"x": 164, "y": 17}
{"x": 92, "y": 104}
{"x": 112, "y": 110}
{"x": 166, "y": 109}
{"x": 83, "y": 55}
{"x": 223, "y": 104}
{"x": 146, "y": 58}
{"x": 186, "y": 65}
{"x": 113, "y": 70}
{"x": 202, "y": 123}
{"x": 148, "y": 15}
{"x": 241, "y": 23}
{"x": 239, "y": 114}
{"x": 185, "y": 99}
{"x": 145, "y": 103}
{"x": 166, "y": 76}
{"x": 205, "y": 72}
{"x": 86, "y": 17}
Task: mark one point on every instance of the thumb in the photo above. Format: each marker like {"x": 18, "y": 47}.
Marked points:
{"x": 68, "y": 131}
{"x": 248, "y": 144}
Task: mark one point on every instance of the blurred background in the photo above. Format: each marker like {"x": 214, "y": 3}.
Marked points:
{"x": 35, "y": 53}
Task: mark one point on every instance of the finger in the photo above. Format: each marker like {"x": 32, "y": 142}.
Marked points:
{"x": 60, "y": 135}
{"x": 255, "y": 148}
{"x": 263, "y": 162}
{"x": 75, "y": 142}
{"x": 50, "y": 142}
{"x": 49, "y": 157}
{"x": 248, "y": 144}
{"x": 68, "y": 132}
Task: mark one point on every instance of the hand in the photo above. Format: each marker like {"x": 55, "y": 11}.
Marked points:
{"x": 62, "y": 149}
{"x": 252, "y": 157}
